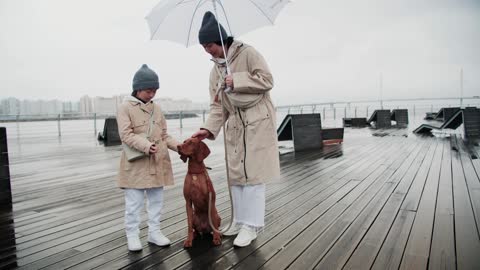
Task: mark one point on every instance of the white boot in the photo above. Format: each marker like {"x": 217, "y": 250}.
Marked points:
{"x": 134, "y": 243}
{"x": 158, "y": 238}
{"x": 246, "y": 235}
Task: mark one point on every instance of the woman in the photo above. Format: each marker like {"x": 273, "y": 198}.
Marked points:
{"x": 152, "y": 172}
{"x": 249, "y": 114}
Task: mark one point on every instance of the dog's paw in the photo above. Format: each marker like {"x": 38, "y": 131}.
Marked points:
{"x": 217, "y": 241}
{"x": 187, "y": 243}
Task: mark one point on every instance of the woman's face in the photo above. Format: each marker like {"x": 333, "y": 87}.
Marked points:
{"x": 216, "y": 51}
{"x": 146, "y": 95}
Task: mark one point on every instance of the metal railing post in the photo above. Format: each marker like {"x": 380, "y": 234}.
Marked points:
{"x": 323, "y": 113}
{"x": 181, "y": 122}
{"x": 95, "y": 124}
{"x": 59, "y": 128}
{"x": 355, "y": 112}
{"x": 203, "y": 116}
{"x": 334, "y": 113}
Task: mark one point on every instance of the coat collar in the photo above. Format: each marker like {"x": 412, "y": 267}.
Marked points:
{"x": 233, "y": 52}
{"x": 146, "y": 107}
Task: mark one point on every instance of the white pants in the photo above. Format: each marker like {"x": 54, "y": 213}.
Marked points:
{"x": 134, "y": 201}
{"x": 249, "y": 205}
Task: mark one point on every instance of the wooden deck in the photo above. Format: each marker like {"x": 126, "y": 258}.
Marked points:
{"x": 381, "y": 200}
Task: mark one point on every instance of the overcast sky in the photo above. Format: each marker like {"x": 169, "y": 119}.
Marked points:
{"x": 317, "y": 50}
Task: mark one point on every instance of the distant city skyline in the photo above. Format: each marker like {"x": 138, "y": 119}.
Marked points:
{"x": 87, "y": 105}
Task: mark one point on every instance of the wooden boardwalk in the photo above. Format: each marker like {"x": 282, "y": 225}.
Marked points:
{"x": 381, "y": 200}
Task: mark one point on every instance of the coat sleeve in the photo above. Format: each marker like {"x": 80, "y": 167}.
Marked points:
{"x": 171, "y": 142}
{"x": 125, "y": 131}
{"x": 257, "y": 79}
{"x": 215, "y": 120}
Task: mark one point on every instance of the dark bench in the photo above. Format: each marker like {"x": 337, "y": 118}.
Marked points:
{"x": 305, "y": 130}
{"x": 381, "y": 119}
{"x": 110, "y": 135}
{"x": 400, "y": 116}
{"x": 5, "y": 187}
{"x": 469, "y": 117}
{"x": 355, "y": 122}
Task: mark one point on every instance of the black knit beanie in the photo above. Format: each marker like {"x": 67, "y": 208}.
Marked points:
{"x": 145, "y": 78}
{"x": 209, "y": 31}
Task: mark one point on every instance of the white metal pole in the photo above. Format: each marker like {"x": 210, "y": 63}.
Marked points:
{"x": 461, "y": 87}
{"x": 221, "y": 40}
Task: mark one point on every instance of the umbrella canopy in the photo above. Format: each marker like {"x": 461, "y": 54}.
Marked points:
{"x": 180, "y": 20}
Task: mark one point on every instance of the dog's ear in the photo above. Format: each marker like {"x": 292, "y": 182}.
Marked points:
{"x": 202, "y": 151}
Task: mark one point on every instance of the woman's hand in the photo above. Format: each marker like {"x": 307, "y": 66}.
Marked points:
{"x": 153, "y": 149}
{"x": 229, "y": 81}
{"x": 202, "y": 134}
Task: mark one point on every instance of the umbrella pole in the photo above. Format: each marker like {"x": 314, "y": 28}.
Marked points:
{"x": 224, "y": 144}
{"x": 221, "y": 40}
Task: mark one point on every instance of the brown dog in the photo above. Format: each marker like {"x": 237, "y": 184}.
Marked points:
{"x": 196, "y": 188}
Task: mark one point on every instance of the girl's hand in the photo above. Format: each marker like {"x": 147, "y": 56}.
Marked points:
{"x": 153, "y": 149}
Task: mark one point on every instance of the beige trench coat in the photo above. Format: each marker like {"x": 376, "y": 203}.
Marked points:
{"x": 252, "y": 146}
{"x": 152, "y": 171}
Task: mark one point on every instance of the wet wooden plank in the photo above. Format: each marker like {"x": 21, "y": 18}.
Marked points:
{"x": 472, "y": 179}
{"x": 366, "y": 191}
{"x": 467, "y": 242}
{"x": 337, "y": 256}
{"x": 442, "y": 253}
{"x": 322, "y": 220}
{"x": 417, "y": 251}
{"x": 366, "y": 252}
{"x": 391, "y": 252}
{"x": 360, "y": 243}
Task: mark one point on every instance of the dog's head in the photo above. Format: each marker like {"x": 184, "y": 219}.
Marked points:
{"x": 193, "y": 148}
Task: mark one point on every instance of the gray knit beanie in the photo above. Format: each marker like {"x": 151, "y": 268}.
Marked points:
{"x": 209, "y": 31}
{"x": 145, "y": 78}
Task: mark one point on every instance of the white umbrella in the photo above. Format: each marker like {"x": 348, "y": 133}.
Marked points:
{"x": 180, "y": 20}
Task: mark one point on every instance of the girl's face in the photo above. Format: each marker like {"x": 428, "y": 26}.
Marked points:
{"x": 146, "y": 95}
{"x": 216, "y": 51}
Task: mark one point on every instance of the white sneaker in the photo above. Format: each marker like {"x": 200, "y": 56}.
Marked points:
{"x": 246, "y": 235}
{"x": 233, "y": 230}
{"x": 134, "y": 243}
{"x": 158, "y": 238}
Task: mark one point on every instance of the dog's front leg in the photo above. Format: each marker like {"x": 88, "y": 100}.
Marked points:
{"x": 190, "y": 236}
{"x": 217, "y": 237}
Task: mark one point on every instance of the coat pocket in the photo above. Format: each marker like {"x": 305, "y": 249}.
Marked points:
{"x": 260, "y": 129}
{"x": 256, "y": 114}
{"x": 139, "y": 126}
